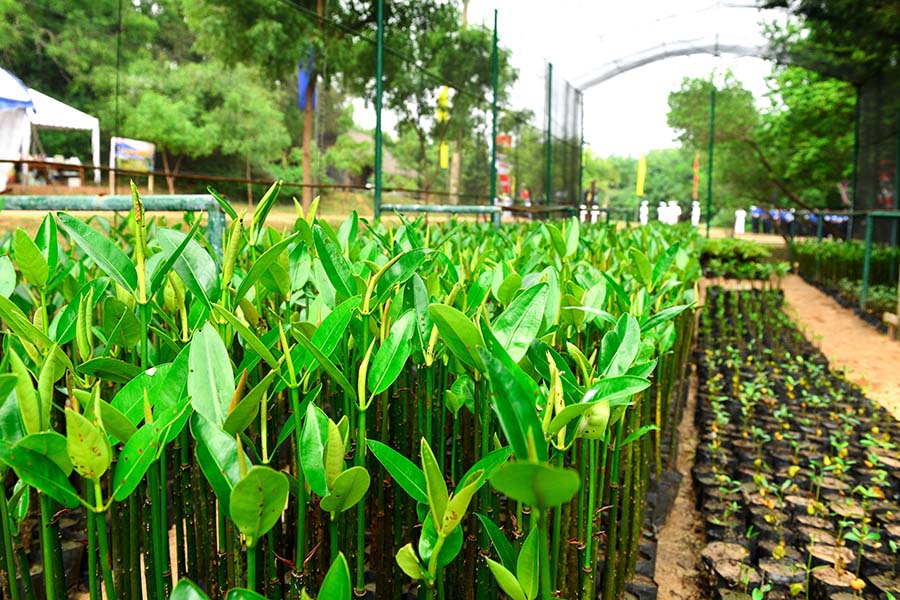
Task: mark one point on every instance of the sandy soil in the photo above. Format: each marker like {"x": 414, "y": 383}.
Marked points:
{"x": 870, "y": 358}
{"x": 678, "y": 564}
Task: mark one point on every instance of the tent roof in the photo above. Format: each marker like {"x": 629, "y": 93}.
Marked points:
{"x": 50, "y": 113}
{"x": 13, "y": 93}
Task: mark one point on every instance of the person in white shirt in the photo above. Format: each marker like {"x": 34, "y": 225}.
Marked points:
{"x": 644, "y": 213}
{"x": 662, "y": 213}
{"x": 674, "y": 212}
{"x": 695, "y": 213}
{"x": 740, "y": 221}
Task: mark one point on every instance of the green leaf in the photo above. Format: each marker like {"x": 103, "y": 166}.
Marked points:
{"x": 261, "y": 265}
{"x": 509, "y": 287}
{"x": 29, "y": 403}
{"x": 404, "y": 268}
{"x": 195, "y": 266}
{"x": 459, "y": 333}
{"x": 31, "y": 262}
{"x": 621, "y": 296}
{"x": 428, "y": 538}
{"x": 250, "y": 338}
{"x": 645, "y": 271}
{"x": 19, "y": 324}
{"x": 347, "y": 489}
{"x": 638, "y": 434}
{"x": 628, "y": 333}
{"x": 7, "y": 277}
{"x": 605, "y": 390}
{"x": 392, "y": 355}
{"x": 187, "y": 590}
{"x": 336, "y": 266}
{"x": 224, "y": 204}
{"x": 506, "y": 580}
{"x": 210, "y": 378}
{"x": 243, "y": 594}
{"x": 334, "y": 453}
{"x": 501, "y": 543}
{"x": 663, "y": 316}
{"x": 336, "y": 374}
{"x": 39, "y": 472}
{"x": 520, "y": 323}
{"x": 217, "y": 454}
{"x": 572, "y": 231}
{"x": 434, "y": 484}
{"x": 336, "y": 584}
{"x": 47, "y": 240}
{"x": 312, "y": 447}
{"x": 409, "y": 563}
{"x": 535, "y": 484}
{"x": 458, "y": 503}
{"x": 528, "y": 566}
{"x": 52, "y": 445}
{"x": 159, "y": 274}
{"x": 139, "y": 452}
{"x": 100, "y": 249}
{"x": 663, "y": 263}
{"x": 88, "y": 446}
{"x": 516, "y": 408}
{"x": 404, "y": 471}
{"x": 262, "y": 210}
{"x": 110, "y": 369}
{"x": 240, "y": 417}
{"x": 129, "y": 400}
{"x": 487, "y": 465}
{"x": 257, "y": 502}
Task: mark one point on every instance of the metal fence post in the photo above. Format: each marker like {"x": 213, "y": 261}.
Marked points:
{"x": 379, "y": 89}
{"x": 215, "y": 230}
{"x": 548, "y": 185}
{"x": 867, "y": 263}
{"x": 495, "y": 77}
{"x": 712, "y": 145}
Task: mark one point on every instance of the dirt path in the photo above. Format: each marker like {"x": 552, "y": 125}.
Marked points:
{"x": 870, "y": 359}
{"x": 681, "y": 539}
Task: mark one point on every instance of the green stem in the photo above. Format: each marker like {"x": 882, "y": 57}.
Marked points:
{"x": 361, "y": 507}
{"x": 47, "y": 542}
{"x": 546, "y": 583}
{"x": 155, "y": 525}
{"x": 609, "y": 571}
{"x": 7, "y": 542}
{"x": 108, "y": 583}
{"x": 93, "y": 588}
{"x": 251, "y": 568}
{"x": 557, "y": 523}
{"x": 300, "y": 540}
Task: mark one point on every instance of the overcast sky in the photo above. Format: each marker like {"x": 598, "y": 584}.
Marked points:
{"x": 625, "y": 115}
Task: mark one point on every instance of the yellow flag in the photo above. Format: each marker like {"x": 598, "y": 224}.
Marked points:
{"x": 443, "y": 102}
{"x": 641, "y": 175}
{"x": 444, "y": 154}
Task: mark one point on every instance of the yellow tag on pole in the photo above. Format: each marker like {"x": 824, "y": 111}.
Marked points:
{"x": 641, "y": 175}
{"x": 443, "y": 103}
{"x": 444, "y": 155}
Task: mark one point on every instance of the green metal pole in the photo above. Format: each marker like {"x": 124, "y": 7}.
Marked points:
{"x": 896, "y": 205}
{"x": 379, "y": 89}
{"x": 855, "y": 182}
{"x": 820, "y": 225}
{"x": 548, "y": 185}
{"x": 495, "y": 82}
{"x": 580, "y": 198}
{"x": 712, "y": 145}
{"x": 867, "y": 263}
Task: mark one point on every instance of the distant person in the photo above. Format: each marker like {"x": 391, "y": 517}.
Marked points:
{"x": 644, "y": 213}
{"x": 662, "y": 213}
{"x": 695, "y": 213}
{"x": 740, "y": 221}
{"x": 674, "y": 212}
{"x": 756, "y": 217}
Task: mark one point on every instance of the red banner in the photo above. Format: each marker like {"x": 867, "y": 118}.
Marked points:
{"x": 696, "y": 175}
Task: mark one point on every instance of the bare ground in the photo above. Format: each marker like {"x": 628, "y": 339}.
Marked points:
{"x": 870, "y": 359}
{"x": 678, "y": 565}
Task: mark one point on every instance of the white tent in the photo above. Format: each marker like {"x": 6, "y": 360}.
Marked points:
{"x": 15, "y": 126}
{"x": 50, "y": 113}
{"x": 22, "y": 108}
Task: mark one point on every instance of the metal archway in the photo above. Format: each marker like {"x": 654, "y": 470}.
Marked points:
{"x": 670, "y": 50}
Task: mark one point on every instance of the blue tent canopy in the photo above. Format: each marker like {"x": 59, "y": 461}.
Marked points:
{"x": 13, "y": 93}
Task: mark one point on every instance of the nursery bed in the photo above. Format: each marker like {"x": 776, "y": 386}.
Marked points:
{"x": 797, "y": 472}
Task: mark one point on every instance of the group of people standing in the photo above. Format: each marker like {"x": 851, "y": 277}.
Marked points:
{"x": 668, "y": 212}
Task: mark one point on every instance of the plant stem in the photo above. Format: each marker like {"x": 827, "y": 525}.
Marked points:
{"x": 108, "y": 583}
{"x": 300, "y": 540}
{"x": 361, "y": 507}
{"x": 155, "y": 525}
{"x": 47, "y": 542}
{"x": 544, "y": 558}
{"x": 251, "y": 568}
{"x": 7, "y": 542}
{"x": 609, "y": 571}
